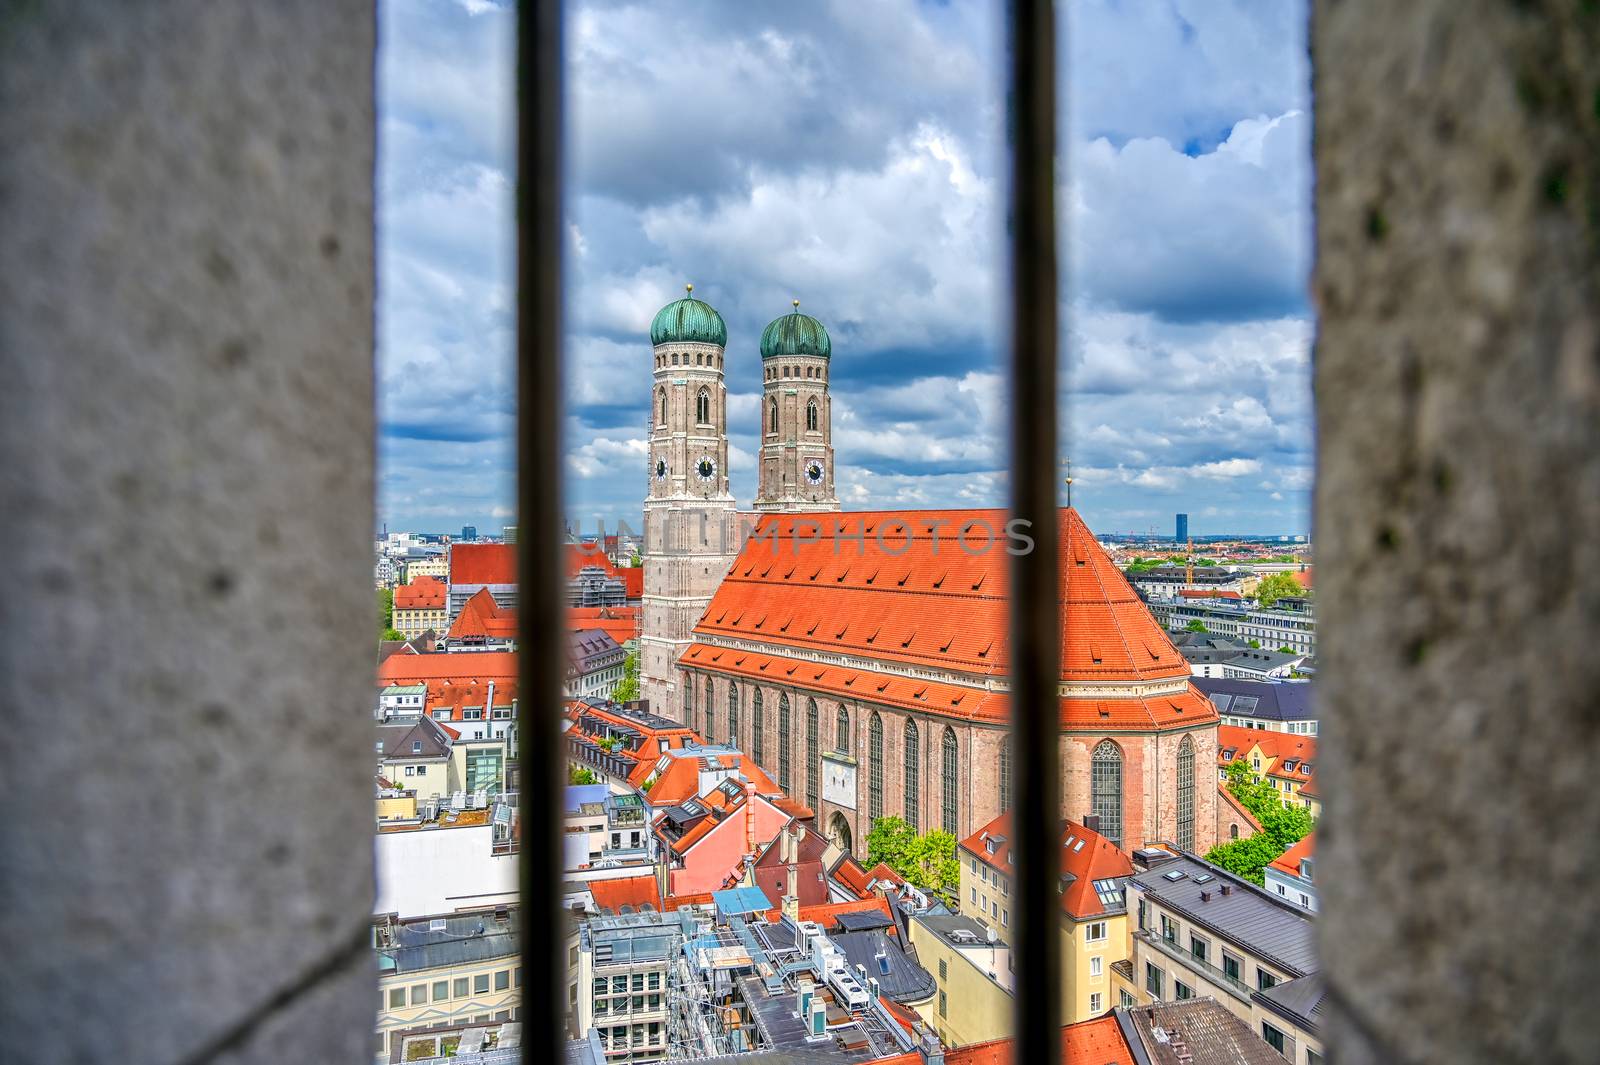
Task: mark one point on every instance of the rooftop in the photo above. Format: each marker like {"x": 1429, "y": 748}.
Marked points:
{"x": 456, "y": 939}
{"x": 1270, "y": 700}
{"x": 1197, "y": 1031}
{"x": 1282, "y": 934}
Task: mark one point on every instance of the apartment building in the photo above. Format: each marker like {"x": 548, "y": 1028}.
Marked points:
{"x": 624, "y": 967}
{"x": 442, "y": 971}
{"x": 1201, "y": 931}
{"x": 1287, "y": 762}
{"x": 1290, "y": 874}
{"x": 419, "y": 606}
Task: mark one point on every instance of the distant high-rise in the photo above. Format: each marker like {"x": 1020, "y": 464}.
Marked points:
{"x": 1183, "y": 528}
{"x": 508, "y": 534}
{"x": 469, "y": 532}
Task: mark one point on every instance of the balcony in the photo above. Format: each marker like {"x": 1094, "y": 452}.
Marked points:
{"x": 1204, "y": 969}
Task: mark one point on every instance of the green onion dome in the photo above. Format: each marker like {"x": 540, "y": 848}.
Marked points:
{"x": 689, "y": 321}
{"x": 795, "y": 334}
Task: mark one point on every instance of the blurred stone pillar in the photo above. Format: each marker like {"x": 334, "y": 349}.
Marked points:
{"x": 1458, "y": 526}
{"x": 187, "y": 622}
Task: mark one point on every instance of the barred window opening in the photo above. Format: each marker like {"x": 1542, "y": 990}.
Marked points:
{"x": 947, "y": 771}
{"x": 841, "y": 732}
{"x": 1005, "y": 771}
{"x": 711, "y": 709}
{"x": 1105, "y": 784}
{"x": 702, "y": 407}
{"x": 1186, "y": 794}
{"x": 875, "y": 768}
{"x": 913, "y": 789}
{"x": 733, "y": 713}
{"x": 810, "y": 754}
{"x": 783, "y": 741}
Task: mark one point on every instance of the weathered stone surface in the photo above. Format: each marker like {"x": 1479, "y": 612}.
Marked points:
{"x": 1458, "y": 526}
{"x": 186, "y": 284}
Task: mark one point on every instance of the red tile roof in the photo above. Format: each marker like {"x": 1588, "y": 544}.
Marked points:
{"x": 632, "y": 581}
{"x": 635, "y": 891}
{"x": 1096, "y": 1042}
{"x": 1208, "y": 593}
{"x": 699, "y": 898}
{"x": 906, "y": 591}
{"x": 849, "y": 873}
{"x": 423, "y": 593}
{"x": 827, "y": 914}
{"x": 1281, "y": 747}
{"x": 454, "y": 695}
{"x": 483, "y": 564}
{"x": 621, "y": 623}
{"x": 1238, "y": 807}
{"x": 1289, "y": 861}
{"x": 497, "y": 666}
{"x": 1086, "y": 856}
{"x": 581, "y": 555}
{"x": 483, "y": 618}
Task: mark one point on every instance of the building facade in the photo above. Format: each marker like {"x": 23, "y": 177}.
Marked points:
{"x": 796, "y": 461}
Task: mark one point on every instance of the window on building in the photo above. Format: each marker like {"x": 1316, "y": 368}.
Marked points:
{"x": 811, "y": 416}
{"x": 441, "y": 990}
{"x": 661, "y": 422}
{"x": 419, "y": 994}
{"x": 1198, "y": 948}
{"x": 784, "y": 741}
{"x": 1105, "y": 789}
{"x": 1096, "y": 1001}
{"x": 758, "y": 728}
{"x": 942, "y": 1004}
{"x": 702, "y": 407}
{"x": 733, "y": 713}
{"x": 1097, "y": 965}
{"x": 841, "y": 731}
{"x": 480, "y": 984}
{"x": 711, "y": 711}
{"x": 913, "y": 789}
{"x": 944, "y": 971}
{"x": 1127, "y": 1000}
{"x": 397, "y": 998}
{"x": 813, "y": 766}
{"x": 949, "y": 782}
{"x": 1005, "y": 771}
{"x": 1272, "y": 1037}
{"x": 460, "y": 986}
{"x": 1182, "y": 990}
{"x": 1264, "y": 979}
{"x": 1095, "y": 931}
{"x": 1153, "y": 978}
{"x": 772, "y": 417}
{"x": 875, "y": 768}
{"x": 1186, "y": 794}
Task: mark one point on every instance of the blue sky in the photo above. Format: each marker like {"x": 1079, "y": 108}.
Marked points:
{"x": 849, "y": 154}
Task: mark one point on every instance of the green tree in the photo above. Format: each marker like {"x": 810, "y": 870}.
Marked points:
{"x": 1286, "y": 649}
{"x": 1196, "y": 626}
{"x": 392, "y": 634}
{"x": 385, "y": 609}
{"x": 609, "y": 744}
{"x": 1256, "y": 644}
{"x": 1245, "y": 857}
{"x": 927, "y": 861}
{"x": 1275, "y": 586}
{"x": 627, "y": 689}
{"x": 1281, "y": 826}
{"x": 578, "y": 774}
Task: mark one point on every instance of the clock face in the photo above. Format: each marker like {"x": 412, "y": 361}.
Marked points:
{"x": 661, "y": 469}
{"x": 814, "y": 472}
{"x": 706, "y": 468}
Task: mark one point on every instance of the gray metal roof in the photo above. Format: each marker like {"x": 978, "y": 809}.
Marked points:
{"x": 1275, "y": 701}
{"x": 1196, "y": 1031}
{"x": 1278, "y": 932}
{"x": 898, "y": 976}
{"x": 1300, "y": 1000}
{"x": 419, "y": 946}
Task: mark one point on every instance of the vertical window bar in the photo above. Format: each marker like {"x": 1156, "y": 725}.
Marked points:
{"x": 540, "y": 641}
{"x": 1035, "y": 575}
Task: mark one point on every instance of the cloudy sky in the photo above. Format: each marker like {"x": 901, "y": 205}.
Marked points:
{"x": 849, "y": 153}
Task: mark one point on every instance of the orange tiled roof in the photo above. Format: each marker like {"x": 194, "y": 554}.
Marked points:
{"x": 849, "y": 873}
{"x": 907, "y": 592}
{"x": 498, "y": 666}
{"x": 483, "y": 564}
{"x": 1238, "y": 807}
{"x": 699, "y": 898}
{"x": 1086, "y": 855}
{"x": 632, "y": 581}
{"x": 481, "y": 616}
{"x": 1281, "y": 747}
{"x": 621, "y": 623}
{"x": 1289, "y": 861}
{"x": 453, "y": 695}
{"x": 824, "y": 913}
{"x": 1095, "y": 1042}
{"x": 635, "y": 891}
{"x": 955, "y": 700}
{"x": 423, "y": 593}
{"x": 1208, "y": 593}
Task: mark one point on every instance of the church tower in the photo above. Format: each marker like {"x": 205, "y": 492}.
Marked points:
{"x": 690, "y": 527}
{"x": 796, "y": 417}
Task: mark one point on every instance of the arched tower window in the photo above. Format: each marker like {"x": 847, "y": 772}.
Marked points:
{"x": 913, "y": 765}
{"x": 711, "y": 711}
{"x": 841, "y": 731}
{"x": 875, "y": 768}
{"x": 661, "y": 423}
{"x": 758, "y": 731}
{"x": 733, "y": 713}
{"x": 772, "y": 417}
{"x": 702, "y": 407}
{"x": 1105, "y": 789}
{"x": 1005, "y": 771}
{"x": 1186, "y": 794}
{"x": 810, "y": 754}
{"x": 947, "y": 772}
{"x": 783, "y": 741}
{"x": 811, "y": 415}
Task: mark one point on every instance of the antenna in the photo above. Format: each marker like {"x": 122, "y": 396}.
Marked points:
{"x": 1188, "y": 565}
{"x": 1067, "y": 462}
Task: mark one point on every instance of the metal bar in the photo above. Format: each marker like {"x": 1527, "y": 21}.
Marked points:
{"x": 541, "y": 642}
{"x": 1036, "y": 575}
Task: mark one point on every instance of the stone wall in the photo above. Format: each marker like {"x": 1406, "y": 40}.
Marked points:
{"x": 188, "y": 628}
{"x": 1458, "y": 526}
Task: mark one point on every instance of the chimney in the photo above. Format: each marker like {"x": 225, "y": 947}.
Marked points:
{"x": 1227, "y": 888}
{"x": 791, "y": 907}
{"x": 488, "y": 706}
{"x": 749, "y": 818}
{"x": 1091, "y": 822}
{"x": 930, "y": 1049}
{"x": 1205, "y": 896}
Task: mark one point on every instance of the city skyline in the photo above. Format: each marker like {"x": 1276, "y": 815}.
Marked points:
{"x": 866, "y": 187}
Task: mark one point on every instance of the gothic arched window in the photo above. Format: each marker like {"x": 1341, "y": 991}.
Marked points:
{"x": 711, "y": 712}
{"x": 733, "y": 713}
{"x": 702, "y": 407}
{"x": 772, "y": 417}
{"x": 810, "y": 754}
{"x": 1186, "y": 794}
{"x": 661, "y": 423}
{"x": 875, "y": 768}
{"x": 758, "y": 731}
{"x": 783, "y": 741}
{"x": 1105, "y": 789}
{"x": 913, "y": 764}
{"x": 1005, "y": 771}
{"x": 947, "y": 773}
{"x": 811, "y": 415}
{"x": 841, "y": 731}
